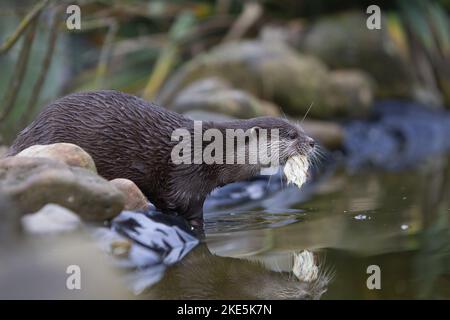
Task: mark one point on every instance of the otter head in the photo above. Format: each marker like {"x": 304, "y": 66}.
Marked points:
{"x": 290, "y": 138}
{"x": 287, "y": 144}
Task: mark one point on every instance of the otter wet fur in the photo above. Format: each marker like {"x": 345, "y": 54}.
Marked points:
{"x": 129, "y": 137}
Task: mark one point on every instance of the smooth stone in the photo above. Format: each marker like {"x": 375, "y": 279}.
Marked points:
{"x": 341, "y": 42}
{"x": 212, "y": 95}
{"x": 135, "y": 200}
{"x": 68, "y": 153}
{"x": 31, "y": 183}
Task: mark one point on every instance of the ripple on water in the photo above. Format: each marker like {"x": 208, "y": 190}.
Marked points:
{"x": 229, "y": 221}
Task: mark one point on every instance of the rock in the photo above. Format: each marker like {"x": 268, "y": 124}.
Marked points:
{"x": 51, "y": 219}
{"x": 347, "y": 93}
{"x": 121, "y": 248}
{"x": 31, "y": 183}
{"x": 269, "y": 72}
{"x": 212, "y": 95}
{"x": 207, "y": 116}
{"x": 208, "y": 85}
{"x": 343, "y": 41}
{"x": 330, "y": 134}
{"x": 68, "y": 153}
{"x": 234, "y": 103}
{"x": 134, "y": 198}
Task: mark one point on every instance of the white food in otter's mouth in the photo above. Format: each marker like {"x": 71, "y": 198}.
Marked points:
{"x": 295, "y": 170}
{"x": 305, "y": 268}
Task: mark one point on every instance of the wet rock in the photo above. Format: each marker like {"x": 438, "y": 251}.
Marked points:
{"x": 134, "y": 198}
{"x": 51, "y": 219}
{"x": 213, "y": 95}
{"x": 31, "y": 183}
{"x": 270, "y": 72}
{"x": 343, "y": 41}
{"x": 68, "y": 153}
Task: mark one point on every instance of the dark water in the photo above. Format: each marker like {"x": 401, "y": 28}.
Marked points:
{"x": 397, "y": 221}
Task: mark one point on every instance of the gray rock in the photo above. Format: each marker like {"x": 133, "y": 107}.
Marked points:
{"x": 213, "y": 95}
{"x": 135, "y": 200}
{"x": 347, "y": 93}
{"x": 269, "y": 72}
{"x": 343, "y": 41}
{"x": 208, "y": 116}
{"x": 31, "y": 183}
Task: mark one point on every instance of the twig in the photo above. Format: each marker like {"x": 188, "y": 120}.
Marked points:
{"x": 250, "y": 14}
{"x": 165, "y": 62}
{"x": 30, "y": 17}
{"x": 105, "y": 54}
{"x": 169, "y": 55}
{"x": 54, "y": 30}
{"x": 19, "y": 72}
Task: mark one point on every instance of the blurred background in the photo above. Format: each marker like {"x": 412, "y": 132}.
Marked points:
{"x": 377, "y": 88}
{"x": 261, "y": 57}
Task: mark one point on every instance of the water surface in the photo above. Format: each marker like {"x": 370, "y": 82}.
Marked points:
{"x": 398, "y": 221}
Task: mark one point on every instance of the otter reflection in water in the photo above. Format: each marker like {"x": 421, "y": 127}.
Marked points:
{"x": 166, "y": 261}
{"x": 203, "y": 275}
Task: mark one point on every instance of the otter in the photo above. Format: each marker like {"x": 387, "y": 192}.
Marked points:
{"x": 131, "y": 138}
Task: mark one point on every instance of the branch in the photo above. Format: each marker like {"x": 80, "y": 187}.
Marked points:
{"x": 162, "y": 68}
{"x": 251, "y": 13}
{"x": 19, "y": 72}
{"x": 30, "y": 17}
{"x": 105, "y": 54}
{"x": 34, "y": 98}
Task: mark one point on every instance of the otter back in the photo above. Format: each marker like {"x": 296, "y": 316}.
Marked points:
{"x": 126, "y": 136}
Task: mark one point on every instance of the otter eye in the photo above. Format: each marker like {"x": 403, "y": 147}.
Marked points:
{"x": 293, "y": 135}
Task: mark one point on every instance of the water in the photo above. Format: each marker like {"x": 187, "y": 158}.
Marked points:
{"x": 397, "y": 221}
